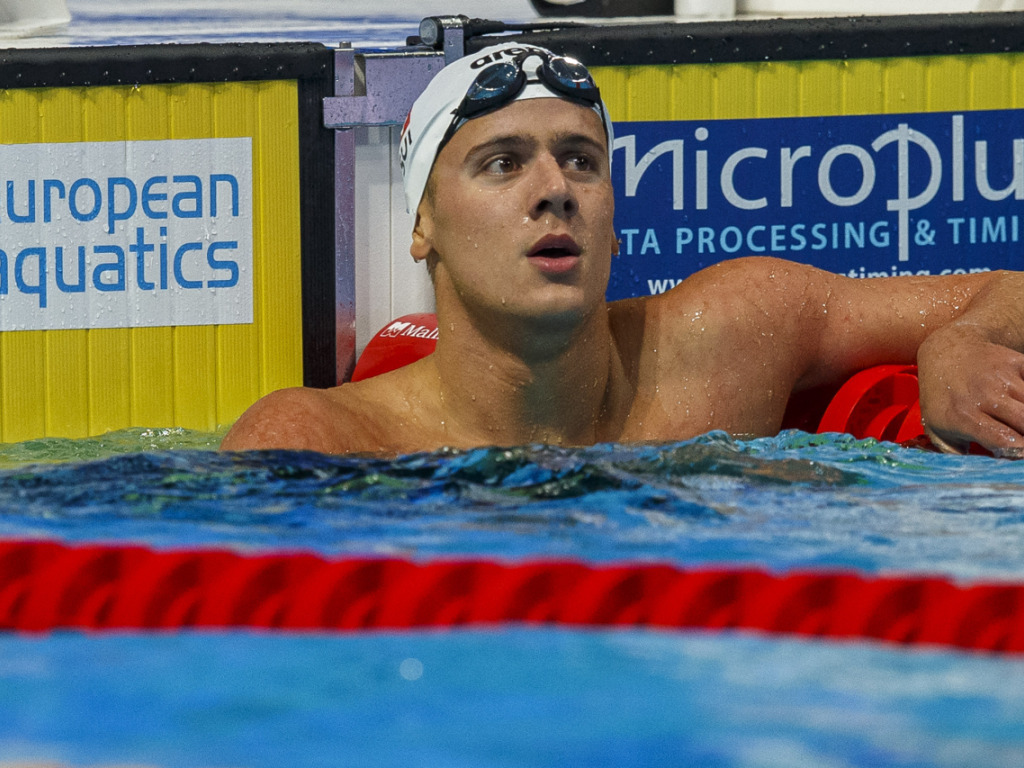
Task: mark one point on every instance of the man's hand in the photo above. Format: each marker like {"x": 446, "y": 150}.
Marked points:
{"x": 972, "y": 390}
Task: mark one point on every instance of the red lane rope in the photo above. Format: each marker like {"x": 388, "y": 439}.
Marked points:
{"x": 46, "y": 586}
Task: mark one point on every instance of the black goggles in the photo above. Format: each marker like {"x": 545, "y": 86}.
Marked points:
{"x": 500, "y": 83}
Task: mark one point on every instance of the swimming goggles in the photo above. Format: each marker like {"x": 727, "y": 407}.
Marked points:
{"x": 501, "y": 83}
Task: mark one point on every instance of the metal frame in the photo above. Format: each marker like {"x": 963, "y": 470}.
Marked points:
{"x": 371, "y": 89}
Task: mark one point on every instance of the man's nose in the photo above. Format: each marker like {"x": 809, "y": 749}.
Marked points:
{"x": 554, "y": 191}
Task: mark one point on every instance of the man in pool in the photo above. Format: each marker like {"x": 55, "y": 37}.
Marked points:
{"x": 506, "y": 164}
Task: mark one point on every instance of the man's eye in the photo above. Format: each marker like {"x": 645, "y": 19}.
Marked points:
{"x": 500, "y": 165}
{"x": 580, "y": 163}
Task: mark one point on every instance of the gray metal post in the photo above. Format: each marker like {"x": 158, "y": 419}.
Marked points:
{"x": 344, "y": 224}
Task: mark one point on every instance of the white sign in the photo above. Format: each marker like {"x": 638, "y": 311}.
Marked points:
{"x": 126, "y": 234}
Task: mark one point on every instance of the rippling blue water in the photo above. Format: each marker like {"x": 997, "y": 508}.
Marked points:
{"x": 523, "y": 697}
{"x": 794, "y": 500}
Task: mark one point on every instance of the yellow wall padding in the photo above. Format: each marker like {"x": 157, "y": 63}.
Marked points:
{"x": 811, "y": 88}
{"x": 73, "y": 383}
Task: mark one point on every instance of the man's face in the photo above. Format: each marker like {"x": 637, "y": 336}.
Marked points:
{"x": 519, "y": 214}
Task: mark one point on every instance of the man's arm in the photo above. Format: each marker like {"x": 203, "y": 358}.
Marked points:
{"x": 965, "y": 332}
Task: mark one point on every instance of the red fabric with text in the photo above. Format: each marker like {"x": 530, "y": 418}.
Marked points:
{"x": 402, "y": 341}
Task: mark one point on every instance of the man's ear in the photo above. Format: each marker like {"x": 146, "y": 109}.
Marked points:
{"x": 422, "y": 234}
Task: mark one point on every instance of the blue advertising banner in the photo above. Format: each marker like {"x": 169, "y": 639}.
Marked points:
{"x": 862, "y": 195}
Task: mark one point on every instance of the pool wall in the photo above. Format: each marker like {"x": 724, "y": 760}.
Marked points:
{"x": 166, "y": 235}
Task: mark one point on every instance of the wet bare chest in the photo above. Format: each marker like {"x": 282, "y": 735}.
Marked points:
{"x": 742, "y": 398}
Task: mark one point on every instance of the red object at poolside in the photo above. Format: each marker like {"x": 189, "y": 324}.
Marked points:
{"x": 879, "y": 402}
{"x": 402, "y": 341}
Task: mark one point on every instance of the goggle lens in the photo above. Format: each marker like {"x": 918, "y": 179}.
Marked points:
{"x": 571, "y": 75}
{"x": 494, "y": 86}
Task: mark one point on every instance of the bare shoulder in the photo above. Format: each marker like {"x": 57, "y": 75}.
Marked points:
{"x": 294, "y": 418}
{"x": 737, "y": 297}
{"x": 757, "y": 281}
{"x": 388, "y": 414}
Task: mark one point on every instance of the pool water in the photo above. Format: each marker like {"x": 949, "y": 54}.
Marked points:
{"x": 511, "y": 698}
{"x": 520, "y": 696}
{"x": 787, "y": 502}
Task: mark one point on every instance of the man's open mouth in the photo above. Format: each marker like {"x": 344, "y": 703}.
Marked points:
{"x": 555, "y": 247}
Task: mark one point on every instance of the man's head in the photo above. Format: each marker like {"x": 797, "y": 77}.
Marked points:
{"x": 518, "y": 221}
{"x": 478, "y": 85}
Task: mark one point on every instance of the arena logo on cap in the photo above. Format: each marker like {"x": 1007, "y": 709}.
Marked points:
{"x": 126, "y": 234}
{"x": 501, "y": 53}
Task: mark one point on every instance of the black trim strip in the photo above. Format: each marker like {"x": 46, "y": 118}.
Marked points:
{"x": 316, "y": 196}
{"x": 171, "y": 63}
{"x": 858, "y": 37}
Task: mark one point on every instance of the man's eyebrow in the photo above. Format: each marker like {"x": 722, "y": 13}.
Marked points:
{"x": 520, "y": 143}
{"x": 505, "y": 142}
{"x": 563, "y": 139}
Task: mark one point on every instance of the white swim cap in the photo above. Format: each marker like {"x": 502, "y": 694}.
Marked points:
{"x": 455, "y": 95}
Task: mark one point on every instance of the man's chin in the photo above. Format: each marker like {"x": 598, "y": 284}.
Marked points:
{"x": 552, "y": 316}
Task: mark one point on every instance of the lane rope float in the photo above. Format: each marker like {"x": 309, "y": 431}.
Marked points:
{"x": 46, "y": 586}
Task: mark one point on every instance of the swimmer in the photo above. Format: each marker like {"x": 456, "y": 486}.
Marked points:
{"x": 506, "y": 165}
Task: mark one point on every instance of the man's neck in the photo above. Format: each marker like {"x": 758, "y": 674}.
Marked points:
{"x": 562, "y": 385}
